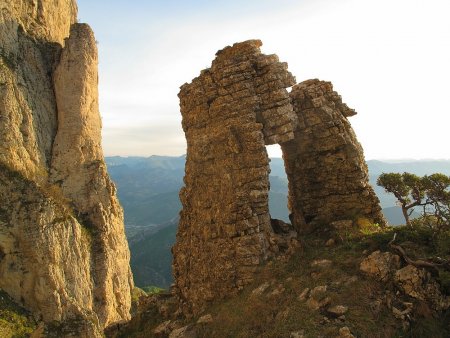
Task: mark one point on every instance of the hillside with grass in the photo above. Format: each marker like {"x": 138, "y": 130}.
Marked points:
{"x": 328, "y": 288}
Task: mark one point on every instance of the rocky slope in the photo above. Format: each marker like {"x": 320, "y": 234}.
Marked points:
{"x": 63, "y": 252}
{"x": 340, "y": 284}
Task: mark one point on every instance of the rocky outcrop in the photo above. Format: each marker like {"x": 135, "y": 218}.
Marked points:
{"x": 48, "y": 20}
{"x": 419, "y": 284}
{"x": 380, "y": 265}
{"x": 45, "y": 260}
{"x": 63, "y": 252}
{"x": 417, "y": 290}
{"x": 78, "y": 168}
{"x": 230, "y": 112}
{"x": 29, "y": 50}
{"x": 327, "y": 173}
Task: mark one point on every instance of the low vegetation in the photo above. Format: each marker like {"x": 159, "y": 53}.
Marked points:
{"x": 151, "y": 290}
{"x": 430, "y": 194}
{"x": 14, "y": 320}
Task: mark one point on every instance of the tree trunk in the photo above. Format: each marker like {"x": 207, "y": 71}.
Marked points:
{"x": 406, "y": 215}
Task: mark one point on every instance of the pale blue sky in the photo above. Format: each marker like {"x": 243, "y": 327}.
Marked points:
{"x": 388, "y": 59}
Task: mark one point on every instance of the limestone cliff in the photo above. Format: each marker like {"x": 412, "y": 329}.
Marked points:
{"x": 31, "y": 33}
{"x": 63, "y": 251}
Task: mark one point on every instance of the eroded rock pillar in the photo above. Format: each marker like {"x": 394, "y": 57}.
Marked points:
{"x": 327, "y": 173}
{"x": 230, "y": 112}
{"x": 78, "y": 167}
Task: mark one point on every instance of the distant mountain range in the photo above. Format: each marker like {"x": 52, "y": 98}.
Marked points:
{"x": 148, "y": 187}
{"x": 148, "y": 191}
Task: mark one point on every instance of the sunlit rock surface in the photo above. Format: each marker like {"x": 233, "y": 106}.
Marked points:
{"x": 230, "y": 113}
{"x": 63, "y": 251}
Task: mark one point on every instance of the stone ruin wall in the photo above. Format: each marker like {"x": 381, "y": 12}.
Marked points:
{"x": 230, "y": 113}
{"x": 327, "y": 174}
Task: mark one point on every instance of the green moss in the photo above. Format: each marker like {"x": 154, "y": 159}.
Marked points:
{"x": 14, "y": 320}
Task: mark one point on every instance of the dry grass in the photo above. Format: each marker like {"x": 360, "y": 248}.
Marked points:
{"x": 278, "y": 312}
{"x": 279, "y": 315}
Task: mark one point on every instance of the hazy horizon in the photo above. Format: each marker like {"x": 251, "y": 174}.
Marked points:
{"x": 387, "y": 160}
{"x": 388, "y": 60}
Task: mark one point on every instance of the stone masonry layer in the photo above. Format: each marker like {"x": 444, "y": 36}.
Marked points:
{"x": 230, "y": 113}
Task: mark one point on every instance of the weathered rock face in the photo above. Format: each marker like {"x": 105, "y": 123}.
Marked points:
{"x": 48, "y": 20}
{"x": 79, "y": 169}
{"x": 29, "y": 33}
{"x": 63, "y": 252}
{"x": 380, "y": 265}
{"x": 45, "y": 253}
{"x": 327, "y": 173}
{"x": 229, "y": 113}
{"x": 419, "y": 284}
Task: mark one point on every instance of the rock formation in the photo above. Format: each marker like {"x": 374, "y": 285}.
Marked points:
{"x": 325, "y": 166}
{"x": 416, "y": 283}
{"x": 79, "y": 169}
{"x": 63, "y": 251}
{"x": 230, "y": 112}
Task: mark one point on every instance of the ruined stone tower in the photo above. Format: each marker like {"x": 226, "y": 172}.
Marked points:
{"x": 230, "y": 113}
